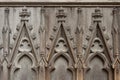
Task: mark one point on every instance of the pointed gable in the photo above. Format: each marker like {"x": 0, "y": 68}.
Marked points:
{"x": 23, "y": 42}
{"x": 61, "y": 44}
{"x": 98, "y": 42}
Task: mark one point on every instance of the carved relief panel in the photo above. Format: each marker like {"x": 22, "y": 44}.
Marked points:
{"x": 59, "y": 43}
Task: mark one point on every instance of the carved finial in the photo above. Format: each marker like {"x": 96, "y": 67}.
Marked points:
{"x": 115, "y": 24}
{"x": 42, "y": 20}
{"x": 6, "y": 21}
{"x": 61, "y": 15}
{"x": 97, "y": 15}
{"x": 24, "y": 14}
{"x": 79, "y": 17}
{"x": 115, "y": 10}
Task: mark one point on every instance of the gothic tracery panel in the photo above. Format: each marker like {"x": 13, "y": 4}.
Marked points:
{"x": 59, "y": 42}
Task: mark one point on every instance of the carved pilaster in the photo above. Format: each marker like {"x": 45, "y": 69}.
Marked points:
{"x": 6, "y": 44}
{"x": 79, "y": 41}
{"x": 115, "y": 32}
{"x": 6, "y": 33}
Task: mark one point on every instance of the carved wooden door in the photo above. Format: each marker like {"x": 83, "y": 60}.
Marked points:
{"x": 52, "y": 42}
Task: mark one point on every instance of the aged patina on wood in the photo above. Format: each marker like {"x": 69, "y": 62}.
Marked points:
{"x": 64, "y": 40}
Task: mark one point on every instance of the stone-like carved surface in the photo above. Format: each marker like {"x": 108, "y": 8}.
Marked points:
{"x": 59, "y": 43}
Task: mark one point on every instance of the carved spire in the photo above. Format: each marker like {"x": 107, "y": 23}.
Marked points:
{"x": 6, "y": 33}
{"x": 61, "y": 15}
{"x": 79, "y": 21}
{"x": 42, "y": 20}
{"x": 79, "y": 33}
{"x": 24, "y": 14}
{"x": 42, "y": 31}
{"x": 97, "y": 15}
{"x": 115, "y": 32}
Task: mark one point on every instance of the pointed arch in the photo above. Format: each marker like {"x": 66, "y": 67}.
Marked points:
{"x": 29, "y": 55}
{"x": 101, "y": 56}
{"x": 24, "y": 62}
{"x": 61, "y": 67}
{"x": 61, "y": 36}
{"x": 64, "y": 55}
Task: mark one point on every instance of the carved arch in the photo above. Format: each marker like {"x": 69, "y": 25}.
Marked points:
{"x": 64, "y": 55}
{"x": 66, "y": 60}
{"x": 97, "y": 68}
{"x": 16, "y": 65}
{"x": 19, "y": 56}
{"x": 101, "y": 56}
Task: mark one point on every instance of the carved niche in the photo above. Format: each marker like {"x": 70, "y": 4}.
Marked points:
{"x": 23, "y": 57}
{"x": 61, "y": 58}
{"x": 98, "y": 53}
